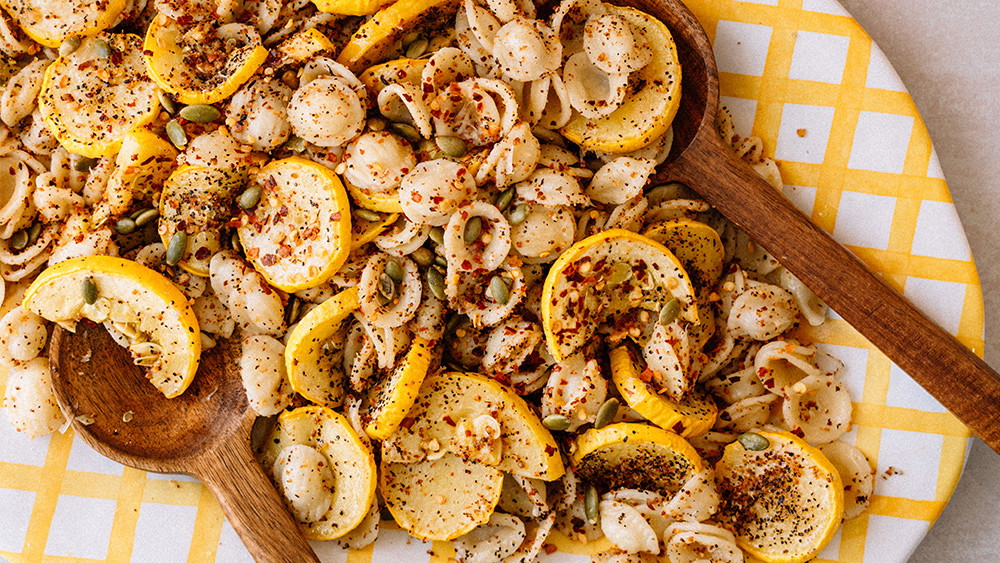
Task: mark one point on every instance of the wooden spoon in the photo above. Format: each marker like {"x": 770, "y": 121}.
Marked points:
{"x": 700, "y": 159}
{"x": 204, "y": 433}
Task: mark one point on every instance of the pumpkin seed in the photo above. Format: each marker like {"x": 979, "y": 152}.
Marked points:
{"x": 70, "y": 45}
{"x": 167, "y": 101}
{"x": 754, "y": 442}
{"x": 376, "y": 124}
{"x": 473, "y": 228}
{"x": 101, "y": 48}
{"x": 406, "y": 131}
{"x": 293, "y": 311}
{"x": 295, "y": 144}
{"x": 504, "y": 200}
{"x": 85, "y": 164}
{"x": 441, "y": 261}
{"x": 177, "y": 248}
{"x": 670, "y": 312}
{"x": 89, "y": 289}
{"x": 33, "y": 232}
{"x": 234, "y": 241}
{"x": 437, "y": 235}
{"x": 417, "y": 48}
{"x": 556, "y": 422}
{"x": 394, "y": 270}
{"x": 590, "y": 504}
{"x": 125, "y": 226}
{"x": 249, "y": 198}
{"x": 423, "y": 256}
{"x": 452, "y": 146}
{"x": 620, "y": 273}
{"x": 435, "y": 281}
{"x": 386, "y": 288}
{"x": 176, "y": 134}
{"x": 453, "y": 323}
{"x": 499, "y": 290}
{"x": 607, "y": 412}
{"x": 200, "y": 113}
{"x": 145, "y": 217}
{"x": 367, "y": 214}
{"x": 19, "y": 240}
{"x": 410, "y": 37}
{"x": 518, "y": 214}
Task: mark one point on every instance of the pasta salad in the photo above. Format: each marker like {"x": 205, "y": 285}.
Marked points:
{"x": 435, "y": 228}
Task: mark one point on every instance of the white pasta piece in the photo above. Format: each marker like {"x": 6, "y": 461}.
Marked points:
{"x": 737, "y": 386}
{"x": 557, "y": 110}
{"x": 466, "y": 350}
{"x": 493, "y": 541}
{"x": 29, "y": 401}
{"x": 154, "y": 256}
{"x": 667, "y": 354}
{"x": 264, "y": 308}
{"x": 746, "y": 414}
{"x": 526, "y": 49}
{"x": 76, "y": 242}
{"x": 36, "y": 137}
{"x": 434, "y": 190}
{"x": 544, "y": 234}
{"x": 429, "y": 321}
{"x": 626, "y": 528}
{"x": 40, "y": 248}
{"x": 691, "y": 542}
{"x": 576, "y": 389}
{"x": 781, "y": 364}
{"x": 629, "y": 215}
{"x": 537, "y": 532}
{"x": 304, "y": 477}
{"x": 657, "y": 151}
{"x": 512, "y": 159}
{"x": 857, "y": 474}
{"x": 267, "y": 14}
{"x": 468, "y": 42}
{"x": 468, "y": 293}
{"x": 258, "y": 114}
{"x": 620, "y": 180}
{"x": 506, "y": 10}
{"x": 18, "y": 98}
{"x": 483, "y": 23}
{"x": 402, "y": 305}
{"x": 675, "y": 209}
{"x": 552, "y": 187}
{"x": 15, "y": 194}
{"x": 651, "y": 505}
{"x": 217, "y": 149}
{"x": 490, "y": 248}
{"x": 480, "y": 111}
{"x": 403, "y": 238}
{"x": 327, "y": 112}
{"x": 377, "y": 161}
{"x": 612, "y": 45}
{"x": 97, "y": 181}
{"x": 592, "y": 92}
{"x": 569, "y": 20}
{"x": 226, "y": 269}
{"x": 523, "y": 496}
{"x": 13, "y": 41}
{"x": 762, "y": 312}
{"x": 213, "y": 316}
{"x": 262, "y": 369}
{"x": 388, "y": 342}
{"x": 54, "y": 202}
{"x": 365, "y": 533}
{"x": 23, "y": 333}
{"x": 697, "y": 500}
{"x": 325, "y": 67}
{"x": 711, "y": 443}
{"x": 818, "y": 408}
{"x": 360, "y": 362}
{"x": 811, "y": 306}
{"x": 753, "y": 257}
{"x": 446, "y": 65}
{"x": 475, "y": 439}
{"x": 509, "y": 345}
{"x": 403, "y": 103}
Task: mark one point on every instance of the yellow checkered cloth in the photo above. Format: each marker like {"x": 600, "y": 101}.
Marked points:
{"x": 854, "y": 153}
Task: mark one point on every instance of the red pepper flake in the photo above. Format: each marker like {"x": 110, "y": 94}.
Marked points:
{"x": 269, "y": 260}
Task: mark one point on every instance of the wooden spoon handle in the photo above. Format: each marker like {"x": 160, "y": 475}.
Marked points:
{"x": 956, "y": 377}
{"x": 253, "y": 506}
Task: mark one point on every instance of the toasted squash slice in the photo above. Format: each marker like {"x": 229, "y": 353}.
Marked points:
{"x": 308, "y": 367}
{"x": 697, "y": 245}
{"x": 93, "y": 97}
{"x": 50, "y": 22}
{"x": 392, "y": 397}
{"x": 379, "y": 38}
{"x": 395, "y": 71}
{"x": 305, "y": 45}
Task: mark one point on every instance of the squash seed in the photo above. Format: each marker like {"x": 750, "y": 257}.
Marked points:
{"x": 145, "y": 217}
{"x": 101, "y": 48}
{"x": 167, "y": 102}
{"x": 70, "y": 45}
{"x": 607, "y": 412}
{"x": 417, "y": 48}
{"x": 504, "y": 200}
{"x": 473, "y": 228}
{"x": 176, "y": 248}
{"x": 620, "y": 273}
{"x": 437, "y": 235}
{"x": 556, "y": 422}
{"x": 423, "y": 257}
{"x": 249, "y": 198}
{"x": 452, "y": 146}
{"x": 754, "y": 442}
{"x": 435, "y": 281}
{"x": 176, "y": 134}
{"x": 125, "y": 226}
{"x": 200, "y": 113}
{"x": 590, "y": 504}
{"x": 670, "y": 311}
{"x": 367, "y": 214}
{"x": 406, "y": 131}
{"x": 33, "y": 232}
{"x": 386, "y": 289}
{"x": 499, "y": 291}
{"x": 89, "y": 289}
{"x": 19, "y": 240}
{"x": 85, "y": 164}
{"x": 394, "y": 270}
{"x": 518, "y": 214}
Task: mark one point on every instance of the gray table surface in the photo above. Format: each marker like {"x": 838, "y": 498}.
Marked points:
{"x": 948, "y": 54}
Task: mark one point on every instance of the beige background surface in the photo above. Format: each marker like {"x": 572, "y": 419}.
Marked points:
{"x": 948, "y": 55}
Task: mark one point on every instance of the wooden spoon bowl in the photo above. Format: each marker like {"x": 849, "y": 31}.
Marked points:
{"x": 205, "y": 432}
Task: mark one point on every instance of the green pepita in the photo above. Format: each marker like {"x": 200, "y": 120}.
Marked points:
{"x": 70, "y": 45}
{"x": 176, "y": 134}
{"x": 607, "y": 412}
{"x": 250, "y": 197}
{"x": 452, "y": 323}
{"x": 406, "y": 131}
{"x": 89, "y": 289}
{"x": 441, "y": 261}
{"x": 85, "y": 164}
{"x": 19, "y": 240}
{"x": 410, "y": 37}
{"x": 556, "y": 422}
{"x": 101, "y": 48}
{"x": 504, "y": 200}
{"x": 499, "y": 291}
{"x": 437, "y": 235}
{"x": 590, "y": 504}
{"x": 200, "y": 113}
{"x": 473, "y": 228}
{"x": 367, "y": 214}
{"x": 754, "y": 442}
{"x": 452, "y": 146}
{"x": 376, "y": 124}
{"x": 295, "y": 144}
{"x": 394, "y": 270}
{"x": 386, "y": 288}
{"x": 176, "y": 248}
{"x": 619, "y": 274}
{"x": 293, "y": 311}
{"x": 167, "y": 101}
{"x": 435, "y": 281}
{"x": 417, "y": 48}
{"x": 423, "y": 257}
{"x": 518, "y": 214}
{"x": 34, "y": 231}
{"x": 670, "y": 311}
{"x": 125, "y": 226}
{"x": 145, "y": 217}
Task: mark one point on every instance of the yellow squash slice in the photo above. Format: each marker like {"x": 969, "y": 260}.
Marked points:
{"x": 608, "y": 274}
{"x": 309, "y": 369}
{"x": 363, "y": 231}
{"x": 92, "y": 98}
{"x": 697, "y": 245}
{"x": 300, "y": 233}
{"x": 646, "y": 114}
{"x": 637, "y": 456}
{"x": 783, "y": 502}
{"x": 50, "y": 22}
{"x": 350, "y": 7}
{"x": 170, "y": 66}
{"x": 142, "y": 165}
{"x": 452, "y": 414}
{"x": 304, "y": 45}
{"x": 145, "y": 306}
{"x": 440, "y": 499}
{"x": 391, "y": 398}
{"x": 350, "y": 461}
{"x": 379, "y": 38}
{"x": 196, "y": 200}
{"x": 396, "y": 71}
{"x": 692, "y": 416}
{"x": 374, "y": 202}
